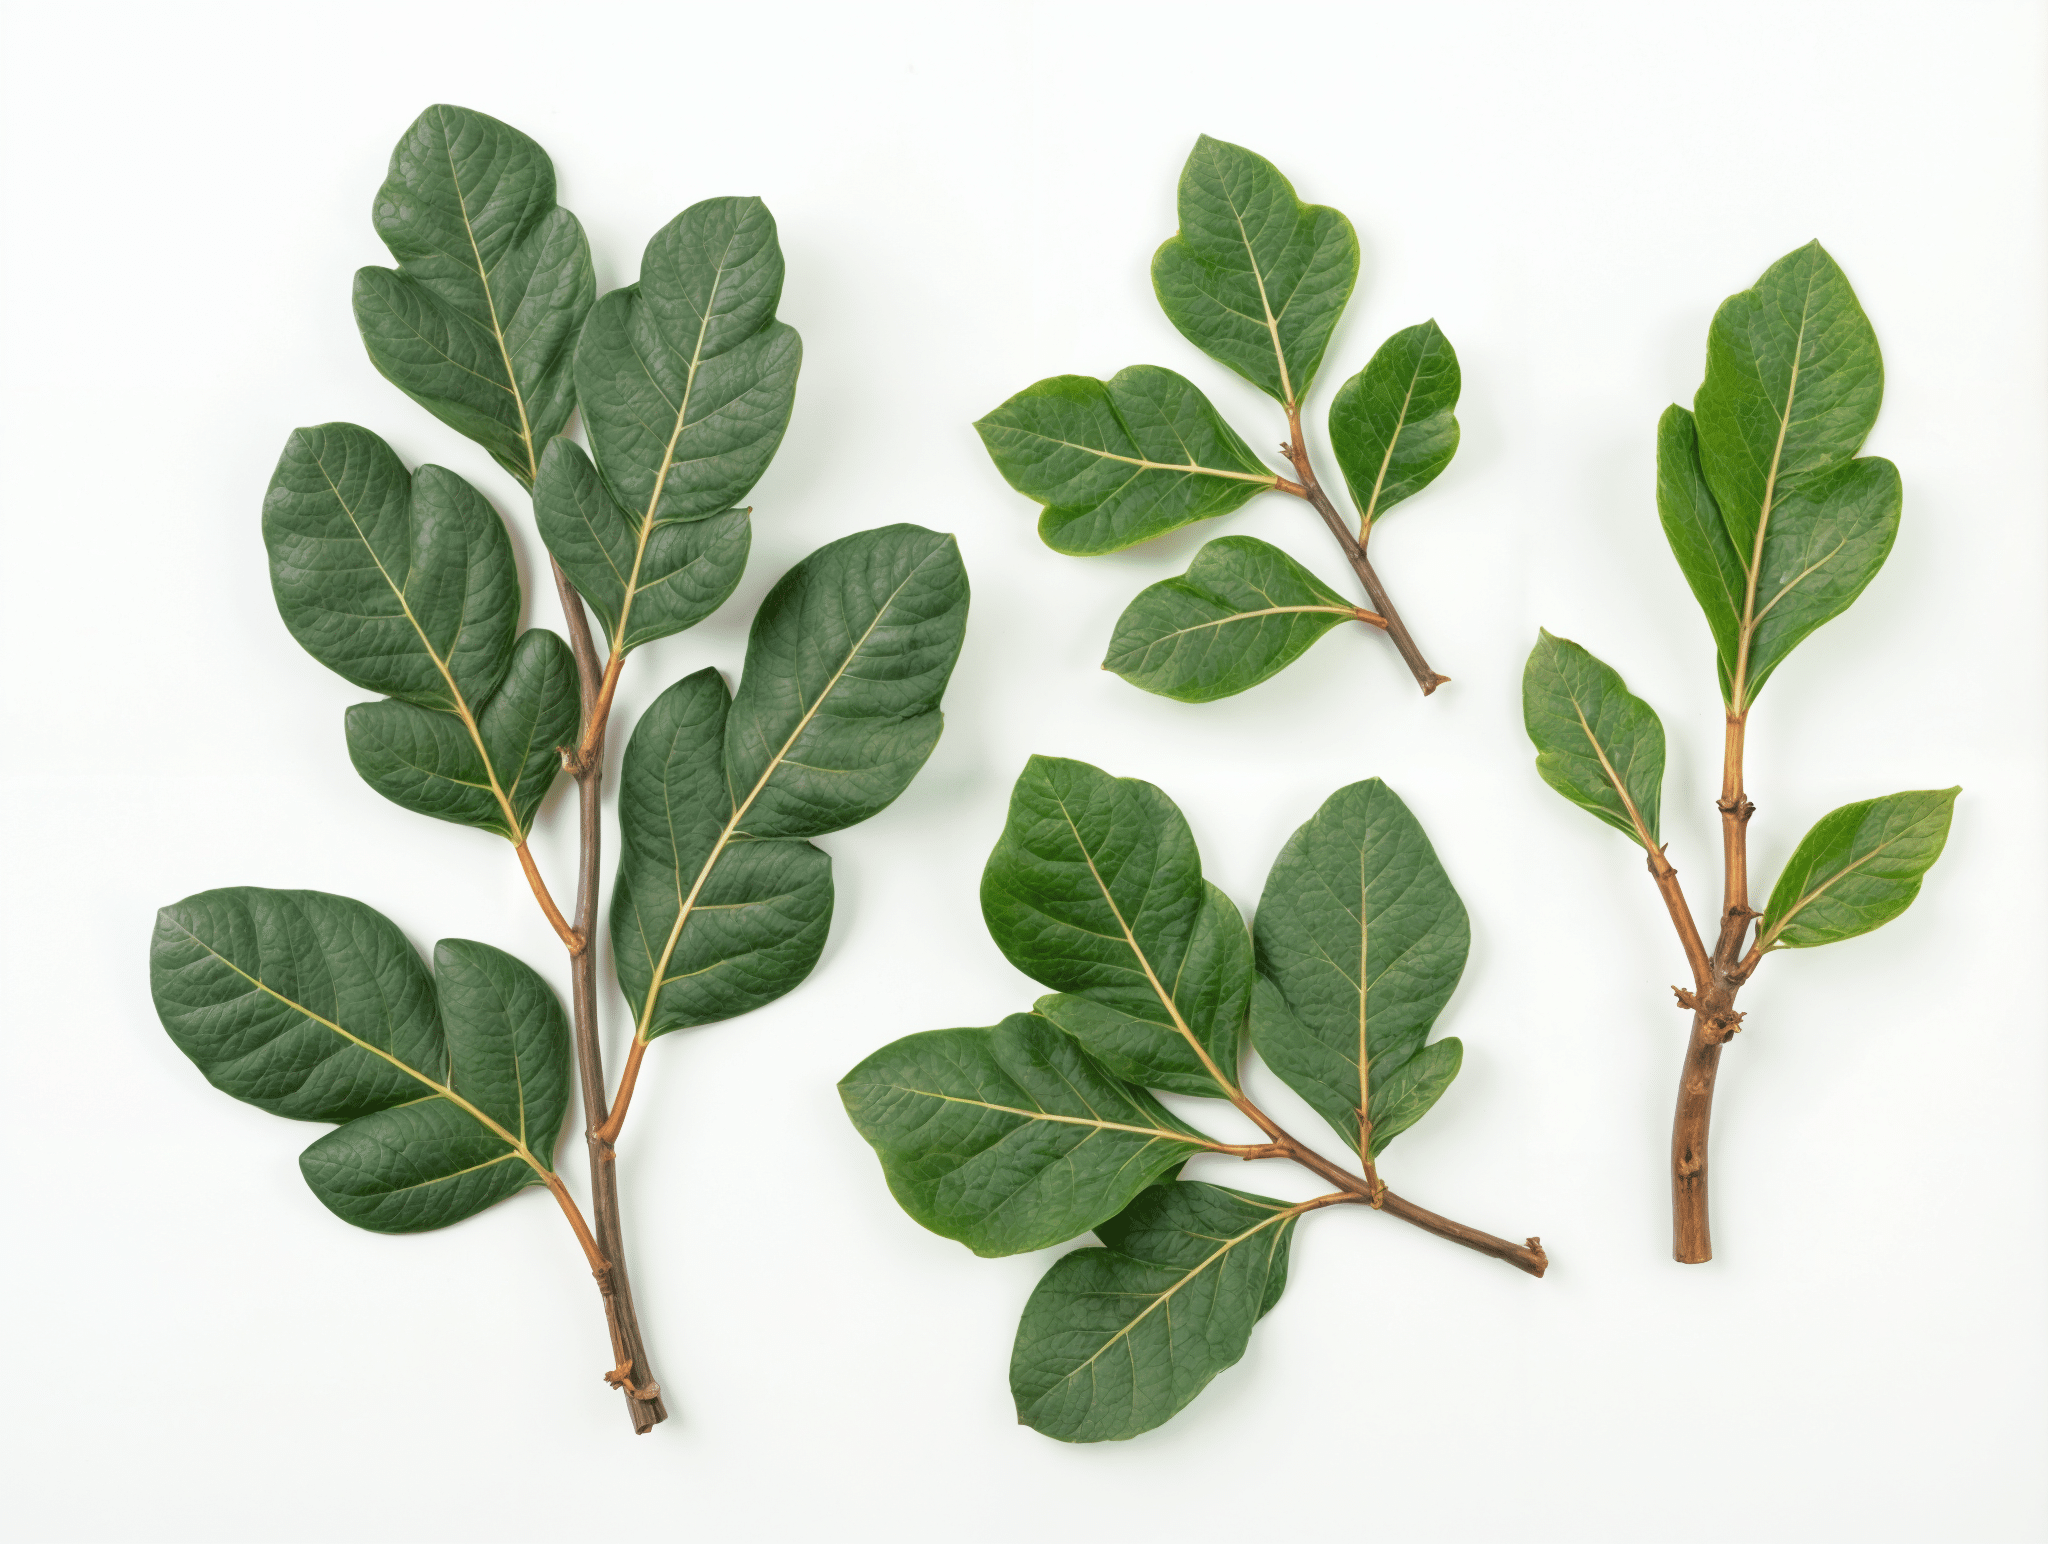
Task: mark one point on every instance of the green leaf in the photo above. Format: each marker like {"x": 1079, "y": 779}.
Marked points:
{"x": 1117, "y": 1341}
{"x": 1256, "y": 279}
{"x": 1121, "y": 461}
{"x": 719, "y": 901}
{"x": 682, "y": 573}
{"x": 477, "y": 322}
{"x": 1392, "y": 425}
{"x": 1361, "y": 940}
{"x": 1011, "y": 1138}
{"x": 1596, "y": 744}
{"x": 315, "y": 1007}
{"x": 1858, "y": 868}
{"x": 686, "y": 379}
{"x": 1095, "y": 889}
{"x": 1717, "y": 573}
{"x": 1243, "y": 612}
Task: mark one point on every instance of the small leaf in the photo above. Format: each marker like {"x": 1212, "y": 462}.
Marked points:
{"x": 1095, "y": 889}
{"x": 1255, "y": 279}
{"x": 477, "y": 322}
{"x": 1361, "y": 941}
{"x": 1012, "y": 1138}
{"x": 1117, "y": 1341}
{"x": 1243, "y": 612}
{"x": 1596, "y": 744}
{"x": 1121, "y": 461}
{"x": 1717, "y": 573}
{"x": 1392, "y": 425}
{"x": 1859, "y": 867}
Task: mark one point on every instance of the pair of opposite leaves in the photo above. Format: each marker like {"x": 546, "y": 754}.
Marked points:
{"x": 1256, "y": 279}
{"x": 453, "y": 1088}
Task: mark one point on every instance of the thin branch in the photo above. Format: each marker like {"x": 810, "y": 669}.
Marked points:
{"x": 572, "y": 940}
{"x": 628, "y": 1080}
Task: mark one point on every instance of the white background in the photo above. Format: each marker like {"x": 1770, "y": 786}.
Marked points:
{"x": 969, "y": 198}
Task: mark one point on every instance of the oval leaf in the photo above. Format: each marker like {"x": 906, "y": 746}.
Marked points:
{"x": 1392, "y": 425}
{"x": 1717, "y": 573}
{"x": 1596, "y": 744}
{"x": 1859, "y": 867}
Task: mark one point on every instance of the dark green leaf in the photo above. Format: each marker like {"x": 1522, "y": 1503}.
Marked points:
{"x": 1361, "y": 940}
{"x": 1718, "y": 574}
{"x": 1011, "y": 1138}
{"x": 1243, "y": 612}
{"x": 1117, "y": 1341}
{"x": 477, "y": 322}
{"x": 1256, "y": 279}
{"x": 1392, "y": 425}
{"x": 1120, "y": 461}
{"x": 1596, "y": 744}
{"x": 1858, "y": 868}
{"x": 1095, "y": 889}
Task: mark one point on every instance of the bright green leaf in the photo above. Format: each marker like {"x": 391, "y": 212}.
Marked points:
{"x": 1392, "y": 425}
{"x": 1859, "y": 867}
{"x": 1596, "y": 744}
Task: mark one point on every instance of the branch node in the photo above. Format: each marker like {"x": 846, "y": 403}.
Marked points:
{"x": 1686, "y": 1000}
{"x": 621, "y": 1377}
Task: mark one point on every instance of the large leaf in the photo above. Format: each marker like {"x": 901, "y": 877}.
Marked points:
{"x": 719, "y": 901}
{"x": 1858, "y": 868}
{"x": 477, "y": 322}
{"x": 1361, "y": 940}
{"x": 315, "y": 1007}
{"x": 1120, "y": 461}
{"x": 1095, "y": 889}
{"x": 1392, "y": 425}
{"x": 1256, "y": 279}
{"x": 680, "y": 574}
{"x": 1011, "y": 1138}
{"x": 1243, "y": 612}
{"x": 686, "y": 378}
{"x": 1596, "y": 743}
{"x": 1116, "y": 1341}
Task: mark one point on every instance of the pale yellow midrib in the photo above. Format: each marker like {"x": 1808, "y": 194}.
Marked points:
{"x": 1143, "y": 465}
{"x": 1821, "y": 889}
{"x": 1245, "y": 616}
{"x": 491, "y": 302}
{"x": 1393, "y": 440}
{"x": 1364, "y": 1015}
{"x": 1265, "y": 304}
{"x": 1606, "y": 766}
{"x": 1064, "y": 1120}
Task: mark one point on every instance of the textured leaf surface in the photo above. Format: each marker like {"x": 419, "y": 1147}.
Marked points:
{"x": 315, "y": 1007}
{"x": 1116, "y": 1341}
{"x": 1859, "y": 867}
{"x": 1243, "y": 612}
{"x": 1095, "y": 889}
{"x": 1255, "y": 278}
{"x": 1393, "y": 425}
{"x": 1716, "y": 572}
{"x": 1361, "y": 940}
{"x": 1121, "y": 461}
{"x": 1596, "y": 744}
{"x": 1011, "y": 1138}
{"x": 477, "y": 322}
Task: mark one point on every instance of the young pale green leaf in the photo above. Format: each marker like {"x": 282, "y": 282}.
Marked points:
{"x": 1243, "y": 612}
{"x": 1255, "y": 279}
{"x": 1011, "y": 1138}
{"x": 1121, "y": 461}
{"x": 682, "y": 573}
{"x": 1596, "y": 744}
{"x": 477, "y": 322}
{"x": 1117, "y": 1341}
{"x": 1859, "y": 867}
{"x": 1717, "y": 573}
{"x": 1095, "y": 889}
{"x": 1361, "y": 940}
{"x": 686, "y": 379}
{"x": 315, "y": 1007}
{"x": 1392, "y": 425}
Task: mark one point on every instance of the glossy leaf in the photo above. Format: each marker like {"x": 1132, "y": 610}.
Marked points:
{"x": 1393, "y": 425}
{"x": 315, "y": 1007}
{"x": 1596, "y": 743}
{"x": 1121, "y": 461}
{"x": 1116, "y": 1341}
{"x": 477, "y": 322}
{"x": 1243, "y": 612}
{"x": 1859, "y": 867}
{"x": 1255, "y": 278}
{"x": 1011, "y": 1138}
{"x": 1361, "y": 940}
{"x": 1095, "y": 889}
{"x": 1717, "y": 573}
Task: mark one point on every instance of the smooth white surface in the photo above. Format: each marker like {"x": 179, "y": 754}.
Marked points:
{"x": 969, "y": 198}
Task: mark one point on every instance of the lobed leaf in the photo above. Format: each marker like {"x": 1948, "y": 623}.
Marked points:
{"x": 1361, "y": 940}
{"x": 1859, "y": 867}
{"x": 1255, "y": 278}
{"x": 1243, "y": 612}
{"x": 1121, "y": 461}
{"x": 1011, "y": 1138}
{"x": 1393, "y": 425}
{"x": 1116, "y": 1341}
{"x": 1596, "y": 743}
